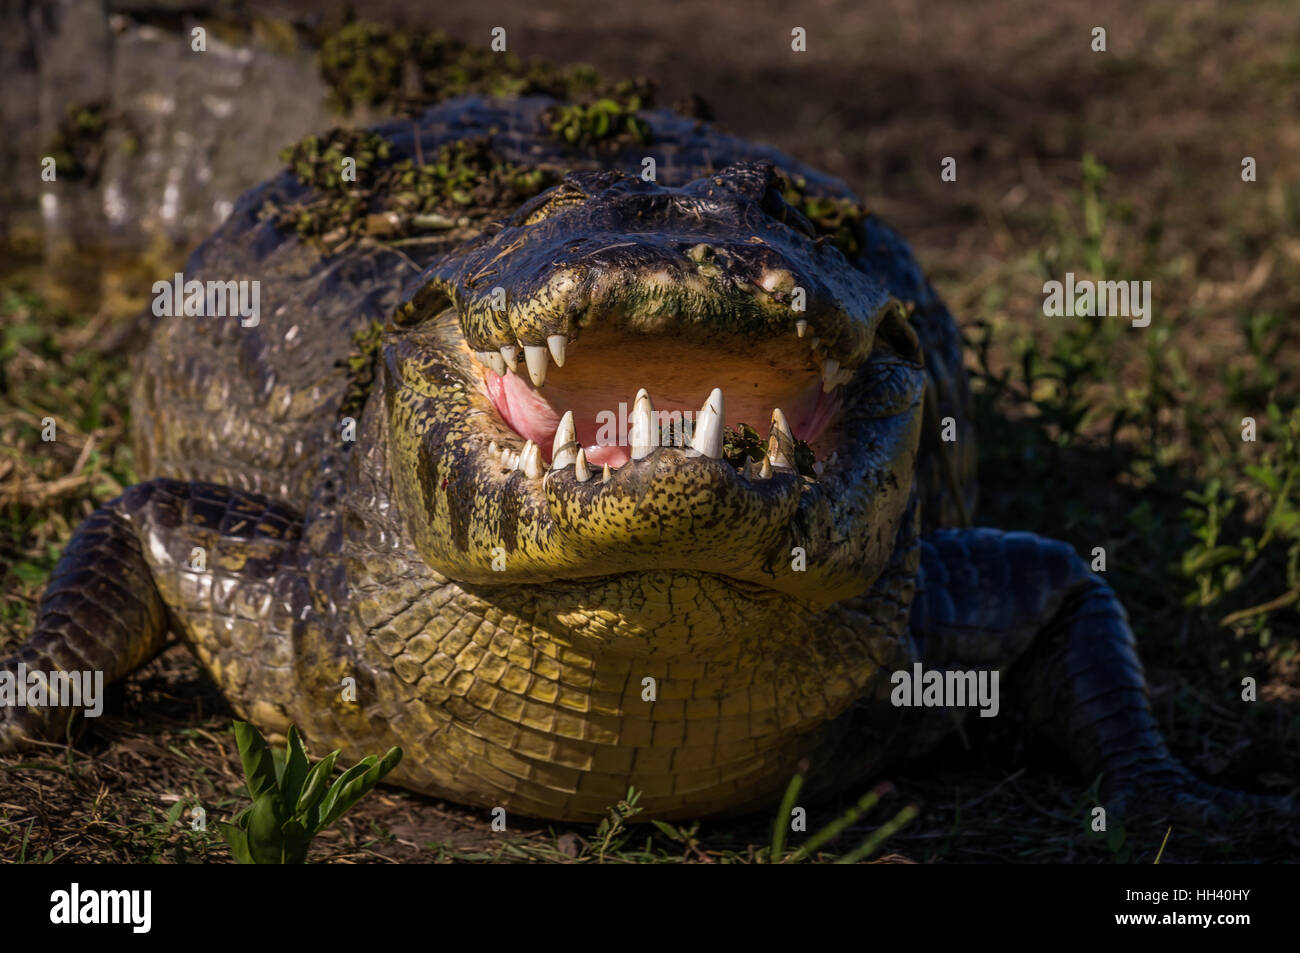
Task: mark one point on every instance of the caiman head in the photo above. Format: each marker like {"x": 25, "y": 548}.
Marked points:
{"x": 560, "y": 392}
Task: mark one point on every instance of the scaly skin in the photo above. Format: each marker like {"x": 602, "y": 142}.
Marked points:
{"x": 407, "y": 588}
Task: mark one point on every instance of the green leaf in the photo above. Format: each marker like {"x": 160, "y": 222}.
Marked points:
{"x": 259, "y": 765}
{"x": 667, "y": 829}
{"x": 265, "y": 839}
{"x": 1284, "y": 521}
{"x": 296, "y": 839}
{"x": 1265, "y": 477}
{"x": 838, "y": 826}
{"x": 295, "y": 769}
{"x": 174, "y": 813}
{"x": 238, "y": 842}
{"x": 874, "y": 840}
{"x": 782, "y": 823}
{"x": 327, "y": 815}
{"x": 31, "y": 572}
{"x": 354, "y": 789}
{"x": 1209, "y": 558}
{"x": 313, "y": 789}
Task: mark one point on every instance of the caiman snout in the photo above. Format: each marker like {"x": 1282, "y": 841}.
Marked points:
{"x": 668, "y": 377}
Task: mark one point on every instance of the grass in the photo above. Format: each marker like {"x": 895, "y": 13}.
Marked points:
{"x": 51, "y": 372}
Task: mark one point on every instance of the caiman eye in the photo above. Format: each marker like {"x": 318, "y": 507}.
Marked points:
{"x": 895, "y": 333}
{"x": 430, "y": 301}
{"x": 543, "y": 206}
{"x": 775, "y": 205}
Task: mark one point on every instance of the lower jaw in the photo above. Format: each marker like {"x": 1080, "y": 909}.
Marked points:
{"x": 676, "y": 516}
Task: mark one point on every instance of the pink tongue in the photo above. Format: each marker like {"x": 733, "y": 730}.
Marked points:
{"x": 601, "y": 433}
{"x": 530, "y": 416}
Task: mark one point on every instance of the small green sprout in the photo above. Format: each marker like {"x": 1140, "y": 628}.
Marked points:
{"x": 777, "y": 852}
{"x": 291, "y": 803}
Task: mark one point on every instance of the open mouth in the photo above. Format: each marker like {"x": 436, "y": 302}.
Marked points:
{"x": 613, "y": 399}
{"x": 647, "y": 380}
{"x": 614, "y": 451}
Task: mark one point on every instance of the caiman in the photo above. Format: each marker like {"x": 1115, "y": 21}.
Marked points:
{"x": 522, "y": 534}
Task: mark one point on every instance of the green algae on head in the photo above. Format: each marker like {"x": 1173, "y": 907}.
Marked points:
{"x": 361, "y": 192}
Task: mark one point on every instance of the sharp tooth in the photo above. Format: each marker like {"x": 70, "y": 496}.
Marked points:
{"x": 495, "y": 361}
{"x": 801, "y": 327}
{"x": 830, "y": 374}
{"x": 482, "y": 358}
{"x": 510, "y": 459}
{"x": 747, "y": 470}
{"x": 780, "y": 425}
{"x": 605, "y": 476}
{"x": 535, "y": 357}
{"x": 510, "y": 354}
{"x": 643, "y": 425}
{"x": 766, "y": 471}
{"x": 780, "y": 436}
{"x": 493, "y": 449}
{"x": 518, "y": 458}
{"x": 556, "y": 343}
{"x": 845, "y": 375}
{"x": 708, "y": 426}
{"x": 814, "y": 342}
{"x": 562, "y": 454}
{"x": 776, "y": 454}
{"x": 580, "y": 471}
{"x": 531, "y": 460}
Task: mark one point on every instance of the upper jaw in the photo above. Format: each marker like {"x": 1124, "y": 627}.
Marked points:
{"x": 546, "y": 314}
{"x": 637, "y": 259}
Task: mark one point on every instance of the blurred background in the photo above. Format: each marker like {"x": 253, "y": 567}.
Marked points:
{"x": 1123, "y": 164}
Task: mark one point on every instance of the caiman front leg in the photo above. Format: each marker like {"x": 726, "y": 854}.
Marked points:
{"x": 993, "y": 600}
{"x": 208, "y": 562}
